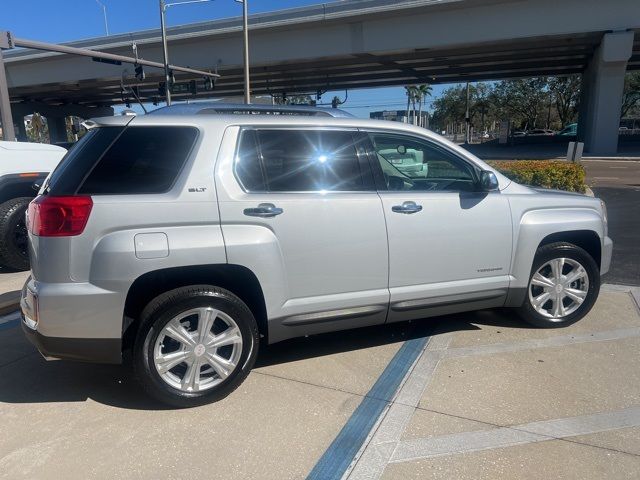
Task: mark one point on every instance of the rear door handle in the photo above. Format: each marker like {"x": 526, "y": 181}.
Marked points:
{"x": 264, "y": 210}
{"x": 407, "y": 207}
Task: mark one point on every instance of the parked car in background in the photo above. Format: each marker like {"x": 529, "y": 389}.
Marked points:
{"x": 540, "y": 132}
{"x": 570, "y": 130}
{"x": 22, "y": 164}
{"x": 185, "y": 239}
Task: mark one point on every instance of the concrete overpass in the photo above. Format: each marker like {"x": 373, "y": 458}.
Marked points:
{"x": 368, "y": 43}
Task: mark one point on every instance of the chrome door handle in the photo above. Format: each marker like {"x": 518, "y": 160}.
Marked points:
{"x": 407, "y": 207}
{"x": 264, "y": 210}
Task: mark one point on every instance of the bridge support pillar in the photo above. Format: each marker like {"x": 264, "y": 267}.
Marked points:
{"x": 19, "y": 126}
{"x": 57, "y": 129}
{"x": 601, "y": 95}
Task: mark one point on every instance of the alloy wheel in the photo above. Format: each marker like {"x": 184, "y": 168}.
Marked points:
{"x": 558, "y": 288}
{"x": 197, "y": 349}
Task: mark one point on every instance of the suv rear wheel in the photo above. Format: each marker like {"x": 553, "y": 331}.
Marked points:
{"x": 195, "y": 345}
{"x": 563, "y": 286}
{"x": 14, "y": 241}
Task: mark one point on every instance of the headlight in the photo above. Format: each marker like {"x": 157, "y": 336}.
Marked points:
{"x": 605, "y": 219}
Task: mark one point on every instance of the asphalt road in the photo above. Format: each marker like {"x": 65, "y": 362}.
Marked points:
{"x": 618, "y": 184}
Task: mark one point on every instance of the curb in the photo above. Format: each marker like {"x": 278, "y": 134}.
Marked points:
{"x": 589, "y": 192}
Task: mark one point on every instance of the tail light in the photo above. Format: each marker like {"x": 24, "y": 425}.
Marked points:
{"x": 58, "y": 216}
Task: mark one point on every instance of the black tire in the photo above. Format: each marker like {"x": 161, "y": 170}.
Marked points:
{"x": 14, "y": 240}
{"x": 547, "y": 253}
{"x": 166, "y": 307}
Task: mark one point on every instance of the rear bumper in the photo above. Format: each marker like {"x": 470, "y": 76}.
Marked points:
{"x": 95, "y": 350}
{"x": 607, "y": 251}
{"x": 71, "y": 321}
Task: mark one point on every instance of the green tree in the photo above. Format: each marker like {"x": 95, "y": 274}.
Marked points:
{"x": 411, "y": 92}
{"x": 565, "y": 94}
{"x": 631, "y": 95}
{"x": 522, "y": 100}
{"x": 422, "y": 92}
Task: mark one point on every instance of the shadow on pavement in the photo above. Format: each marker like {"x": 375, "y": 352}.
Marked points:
{"x": 25, "y": 377}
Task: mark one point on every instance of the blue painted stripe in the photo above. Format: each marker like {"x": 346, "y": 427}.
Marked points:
{"x": 337, "y": 458}
{"x": 10, "y": 324}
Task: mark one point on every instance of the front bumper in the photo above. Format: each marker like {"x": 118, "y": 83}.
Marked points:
{"x": 607, "y": 251}
{"x": 38, "y": 316}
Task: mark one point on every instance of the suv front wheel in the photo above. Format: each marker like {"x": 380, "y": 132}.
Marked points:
{"x": 563, "y": 286}
{"x": 195, "y": 345}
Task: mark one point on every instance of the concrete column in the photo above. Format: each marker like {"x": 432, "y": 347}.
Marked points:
{"x": 20, "y": 129}
{"x": 5, "y": 104}
{"x": 57, "y": 129}
{"x": 601, "y": 99}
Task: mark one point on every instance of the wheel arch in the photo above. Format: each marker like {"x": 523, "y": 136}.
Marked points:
{"x": 588, "y": 240}
{"x": 236, "y": 278}
{"x": 19, "y": 185}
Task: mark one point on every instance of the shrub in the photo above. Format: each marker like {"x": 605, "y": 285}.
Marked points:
{"x": 544, "y": 173}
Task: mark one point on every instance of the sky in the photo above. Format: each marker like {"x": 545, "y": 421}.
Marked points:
{"x": 68, "y": 20}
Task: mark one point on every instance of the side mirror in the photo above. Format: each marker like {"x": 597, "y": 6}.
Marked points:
{"x": 488, "y": 181}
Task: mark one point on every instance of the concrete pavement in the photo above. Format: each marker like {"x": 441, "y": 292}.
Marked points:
{"x": 487, "y": 398}
{"x": 502, "y": 401}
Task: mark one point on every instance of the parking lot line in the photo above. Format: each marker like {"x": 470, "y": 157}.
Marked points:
{"x": 560, "y": 428}
{"x": 556, "y": 341}
{"x": 377, "y": 453}
{"x": 341, "y": 453}
{"x": 10, "y": 320}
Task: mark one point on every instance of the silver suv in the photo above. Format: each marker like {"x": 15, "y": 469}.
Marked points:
{"x": 186, "y": 239}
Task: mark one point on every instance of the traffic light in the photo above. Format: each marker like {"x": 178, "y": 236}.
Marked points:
{"x": 209, "y": 84}
{"x": 140, "y": 75}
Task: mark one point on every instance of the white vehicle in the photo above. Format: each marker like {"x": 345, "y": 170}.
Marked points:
{"x": 22, "y": 164}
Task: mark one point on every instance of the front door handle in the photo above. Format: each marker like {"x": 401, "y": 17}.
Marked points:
{"x": 264, "y": 210}
{"x": 407, "y": 207}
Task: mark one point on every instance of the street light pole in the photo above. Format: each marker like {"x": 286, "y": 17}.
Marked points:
{"x": 245, "y": 30}
{"x": 165, "y": 54}
{"x": 104, "y": 13}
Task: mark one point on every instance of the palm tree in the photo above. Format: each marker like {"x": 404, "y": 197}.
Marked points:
{"x": 422, "y": 92}
{"x": 409, "y": 90}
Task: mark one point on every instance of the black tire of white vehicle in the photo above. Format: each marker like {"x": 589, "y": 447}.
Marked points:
{"x": 166, "y": 307}
{"x": 13, "y": 234}
{"x": 546, "y": 254}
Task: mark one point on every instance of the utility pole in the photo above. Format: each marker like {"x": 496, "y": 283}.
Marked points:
{"x": 165, "y": 54}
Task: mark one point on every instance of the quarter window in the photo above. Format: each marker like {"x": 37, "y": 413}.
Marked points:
{"x": 141, "y": 160}
{"x": 409, "y": 163}
{"x": 281, "y": 160}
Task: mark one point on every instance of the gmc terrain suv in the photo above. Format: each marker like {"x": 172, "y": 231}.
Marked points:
{"x": 185, "y": 238}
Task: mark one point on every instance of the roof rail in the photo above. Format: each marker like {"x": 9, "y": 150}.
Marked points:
{"x": 208, "y": 108}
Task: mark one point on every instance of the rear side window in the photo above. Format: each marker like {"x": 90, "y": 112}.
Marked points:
{"x": 141, "y": 160}
{"x": 70, "y": 172}
{"x": 282, "y": 160}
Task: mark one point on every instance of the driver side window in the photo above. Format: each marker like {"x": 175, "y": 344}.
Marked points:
{"x": 409, "y": 163}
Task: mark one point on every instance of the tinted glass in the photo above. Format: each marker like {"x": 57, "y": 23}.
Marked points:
{"x": 409, "y": 163}
{"x": 247, "y": 164}
{"x": 75, "y": 165}
{"x": 309, "y": 160}
{"x": 141, "y": 160}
